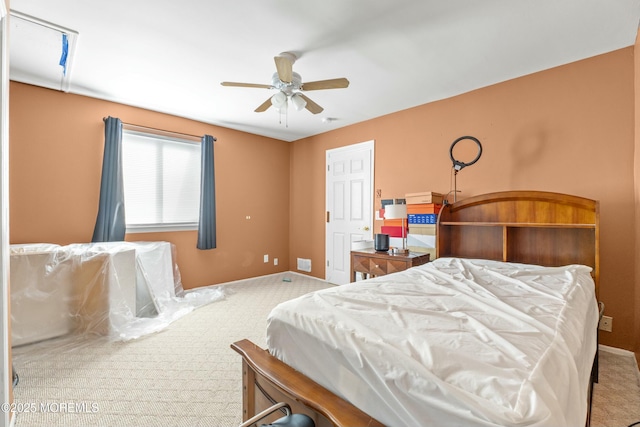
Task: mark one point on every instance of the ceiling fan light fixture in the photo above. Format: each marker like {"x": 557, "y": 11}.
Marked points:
{"x": 279, "y": 100}
{"x": 298, "y": 101}
{"x": 288, "y": 86}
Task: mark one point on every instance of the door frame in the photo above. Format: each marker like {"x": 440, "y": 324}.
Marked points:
{"x": 5, "y": 338}
{"x": 366, "y": 145}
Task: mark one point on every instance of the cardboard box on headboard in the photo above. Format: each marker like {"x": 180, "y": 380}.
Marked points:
{"x": 424, "y": 197}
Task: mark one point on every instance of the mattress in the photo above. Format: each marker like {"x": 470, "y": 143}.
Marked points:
{"x": 452, "y": 342}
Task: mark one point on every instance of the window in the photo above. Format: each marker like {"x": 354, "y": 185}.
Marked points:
{"x": 161, "y": 182}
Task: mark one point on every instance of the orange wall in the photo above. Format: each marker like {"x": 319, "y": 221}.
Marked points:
{"x": 569, "y": 129}
{"x": 56, "y": 148}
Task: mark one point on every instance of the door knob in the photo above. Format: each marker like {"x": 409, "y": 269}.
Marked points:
{"x": 365, "y": 228}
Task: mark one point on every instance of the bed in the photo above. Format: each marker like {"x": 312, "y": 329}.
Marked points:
{"x": 500, "y": 329}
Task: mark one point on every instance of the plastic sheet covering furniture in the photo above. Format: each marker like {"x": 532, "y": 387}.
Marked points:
{"x": 452, "y": 342}
{"x": 123, "y": 290}
{"x": 41, "y": 293}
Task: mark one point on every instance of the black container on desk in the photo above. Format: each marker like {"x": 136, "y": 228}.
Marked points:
{"x": 381, "y": 242}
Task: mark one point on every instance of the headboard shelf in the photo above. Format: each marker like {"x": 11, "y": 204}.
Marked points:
{"x": 517, "y": 224}
{"x": 531, "y": 227}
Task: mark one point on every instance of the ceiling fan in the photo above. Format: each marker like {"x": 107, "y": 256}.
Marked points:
{"x": 290, "y": 87}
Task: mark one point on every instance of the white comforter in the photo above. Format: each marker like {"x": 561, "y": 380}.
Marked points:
{"x": 453, "y": 342}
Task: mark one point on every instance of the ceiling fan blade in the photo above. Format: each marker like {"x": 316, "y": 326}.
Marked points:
{"x": 256, "y": 85}
{"x": 312, "y": 106}
{"x": 326, "y": 84}
{"x": 284, "y": 65}
{"x": 264, "y": 106}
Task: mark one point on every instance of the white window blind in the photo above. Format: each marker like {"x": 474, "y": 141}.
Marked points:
{"x": 161, "y": 182}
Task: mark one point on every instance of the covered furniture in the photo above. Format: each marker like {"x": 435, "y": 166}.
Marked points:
{"x": 98, "y": 288}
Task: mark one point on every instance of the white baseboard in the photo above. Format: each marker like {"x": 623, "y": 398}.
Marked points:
{"x": 306, "y": 276}
{"x": 615, "y": 350}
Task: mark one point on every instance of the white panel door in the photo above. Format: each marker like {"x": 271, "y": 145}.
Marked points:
{"x": 349, "y": 206}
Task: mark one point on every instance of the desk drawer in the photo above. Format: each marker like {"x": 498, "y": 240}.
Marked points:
{"x": 361, "y": 264}
{"x": 377, "y": 266}
{"x": 373, "y": 264}
{"x": 396, "y": 265}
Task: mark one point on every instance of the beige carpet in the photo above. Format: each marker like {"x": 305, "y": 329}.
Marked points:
{"x": 187, "y": 375}
{"x": 616, "y": 397}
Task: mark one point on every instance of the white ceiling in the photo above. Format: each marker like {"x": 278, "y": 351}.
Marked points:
{"x": 170, "y": 56}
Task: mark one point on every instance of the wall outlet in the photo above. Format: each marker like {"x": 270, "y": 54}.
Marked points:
{"x": 266, "y": 258}
{"x": 275, "y": 261}
{"x": 606, "y": 324}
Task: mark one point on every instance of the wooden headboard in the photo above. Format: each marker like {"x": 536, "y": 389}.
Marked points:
{"x": 532, "y": 227}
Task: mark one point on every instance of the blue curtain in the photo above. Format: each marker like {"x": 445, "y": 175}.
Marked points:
{"x": 110, "y": 224}
{"x": 207, "y": 223}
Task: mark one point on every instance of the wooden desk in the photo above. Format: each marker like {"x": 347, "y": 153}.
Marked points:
{"x": 371, "y": 263}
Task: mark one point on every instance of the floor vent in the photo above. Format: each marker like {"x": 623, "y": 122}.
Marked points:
{"x": 304, "y": 265}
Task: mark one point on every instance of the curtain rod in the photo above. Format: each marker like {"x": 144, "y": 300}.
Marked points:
{"x": 199, "y": 137}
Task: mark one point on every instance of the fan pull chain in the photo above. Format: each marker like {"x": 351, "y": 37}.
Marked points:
{"x": 286, "y": 117}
